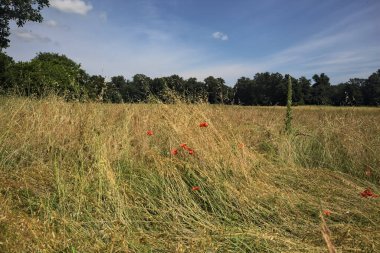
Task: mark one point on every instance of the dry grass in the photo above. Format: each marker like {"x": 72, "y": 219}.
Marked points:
{"x": 87, "y": 178}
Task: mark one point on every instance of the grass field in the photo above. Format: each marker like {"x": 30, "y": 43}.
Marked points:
{"x": 86, "y": 177}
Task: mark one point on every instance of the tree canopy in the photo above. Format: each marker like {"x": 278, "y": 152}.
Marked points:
{"x": 50, "y": 73}
{"x": 20, "y": 11}
{"x": 45, "y": 74}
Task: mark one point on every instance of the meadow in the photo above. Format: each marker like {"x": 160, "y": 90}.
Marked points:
{"x": 91, "y": 177}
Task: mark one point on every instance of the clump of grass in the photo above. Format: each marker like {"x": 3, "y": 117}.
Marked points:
{"x": 85, "y": 177}
{"x": 288, "y": 117}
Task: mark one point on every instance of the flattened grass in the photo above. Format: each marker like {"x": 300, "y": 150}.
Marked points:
{"x": 85, "y": 177}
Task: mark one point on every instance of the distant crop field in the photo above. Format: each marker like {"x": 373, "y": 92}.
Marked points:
{"x": 89, "y": 177}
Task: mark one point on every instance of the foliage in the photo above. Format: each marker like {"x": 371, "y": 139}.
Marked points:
{"x": 218, "y": 92}
{"x": 5, "y": 63}
{"x": 321, "y": 90}
{"x": 46, "y": 74}
{"x": 371, "y": 89}
{"x": 96, "y": 88}
{"x": 53, "y": 73}
{"x": 21, "y": 11}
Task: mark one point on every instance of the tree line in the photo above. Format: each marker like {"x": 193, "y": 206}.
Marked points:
{"x": 51, "y": 73}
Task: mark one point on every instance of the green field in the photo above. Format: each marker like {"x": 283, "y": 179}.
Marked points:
{"x": 86, "y": 177}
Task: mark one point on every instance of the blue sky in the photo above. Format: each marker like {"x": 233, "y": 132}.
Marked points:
{"x": 199, "y": 38}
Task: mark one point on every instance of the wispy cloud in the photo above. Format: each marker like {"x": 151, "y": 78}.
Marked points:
{"x": 159, "y": 56}
{"x": 220, "y": 36}
{"x": 314, "y": 55}
{"x": 72, "y": 6}
{"x": 339, "y": 51}
{"x": 148, "y": 37}
{"x": 51, "y": 23}
{"x": 29, "y": 36}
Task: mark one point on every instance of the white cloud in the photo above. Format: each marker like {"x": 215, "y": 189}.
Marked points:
{"x": 72, "y": 6}
{"x": 220, "y": 36}
{"x": 29, "y": 36}
{"x": 340, "y": 50}
{"x": 338, "y": 54}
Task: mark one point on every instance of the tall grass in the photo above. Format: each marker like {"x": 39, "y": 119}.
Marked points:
{"x": 85, "y": 177}
{"x": 288, "y": 117}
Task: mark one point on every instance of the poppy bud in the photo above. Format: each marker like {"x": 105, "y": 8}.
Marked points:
{"x": 203, "y": 124}
{"x": 174, "y": 151}
{"x": 327, "y": 212}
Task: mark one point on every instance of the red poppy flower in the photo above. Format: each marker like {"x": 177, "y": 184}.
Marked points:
{"x": 185, "y": 147}
{"x": 195, "y": 188}
{"x": 368, "y": 193}
{"x": 191, "y": 152}
{"x": 149, "y": 132}
{"x": 327, "y": 212}
{"x": 174, "y": 151}
{"x": 203, "y": 124}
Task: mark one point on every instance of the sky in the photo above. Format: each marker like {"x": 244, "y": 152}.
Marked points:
{"x": 201, "y": 38}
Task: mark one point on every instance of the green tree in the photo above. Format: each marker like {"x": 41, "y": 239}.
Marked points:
{"x": 96, "y": 87}
{"x": 160, "y": 90}
{"x": 371, "y": 89}
{"x": 213, "y": 90}
{"x": 354, "y": 91}
{"x": 217, "y": 91}
{"x": 120, "y": 86}
{"x": 176, "y": 84}
{"x": 228, "y": 94}
{"x": 305, "y": 95}
{"x": 261, "y": 87}
{"x": 119, "y": 82}
{"x": 5, "y": 63}
{"x": 62, "y": 75}
{"x": 21, "y": 11}
{"x": 321, "y": 90}
{"x": 243, "y": 91}
{"x": 24, "y": 79}
{"x": 196, "y": 91}
{"x": 112, "y": 94}
{"x": 139, "y": 89}
{"x": 269, "y": 89}
{"x": 49, "y": 73}
{"x": 276, "y": 89}
{"x": 349, "y": 93}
